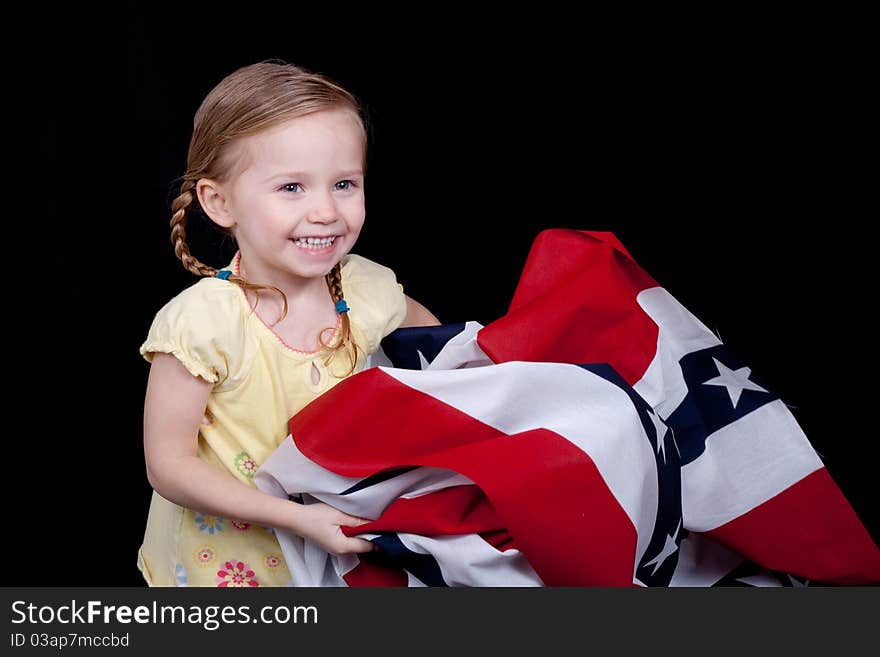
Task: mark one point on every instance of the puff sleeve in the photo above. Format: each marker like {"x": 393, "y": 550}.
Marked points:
{"x": 376, "y": 300}
{"x": 203, "y": 328}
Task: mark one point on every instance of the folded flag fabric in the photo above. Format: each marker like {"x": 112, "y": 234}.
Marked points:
{"x": 598, "y": 434}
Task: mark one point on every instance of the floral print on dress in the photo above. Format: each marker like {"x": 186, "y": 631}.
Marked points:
{"x": 180, "y": 578}
{"x": 205, "y": 555}
{"x": 245, "y": 465}
{"x": 240, "y": 526}
{"x": 236, "y": 574}
{"x": 209, "y": 524}
{"x": 272, "y": 561}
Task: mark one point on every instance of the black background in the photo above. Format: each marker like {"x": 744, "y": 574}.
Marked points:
{"x": 729, "y": 160}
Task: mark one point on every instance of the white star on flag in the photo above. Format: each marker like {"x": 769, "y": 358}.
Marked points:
{"x": 661, "y": 432}
{"x": 734, "y": 380}
{"x": 424, "y": 361}
{"x": 669, "y": 548}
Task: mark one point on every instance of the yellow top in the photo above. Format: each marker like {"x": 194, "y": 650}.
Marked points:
{"x": 259, "y": 384}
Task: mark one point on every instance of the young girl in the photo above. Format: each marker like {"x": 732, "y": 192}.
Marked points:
{"x": 277, "y": 160}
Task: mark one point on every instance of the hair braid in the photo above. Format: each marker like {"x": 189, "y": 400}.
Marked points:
{"x": 334, "y": 284}
{"x": 179, "y": 208}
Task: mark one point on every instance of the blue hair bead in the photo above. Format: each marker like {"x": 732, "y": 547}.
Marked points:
{"x": 341, "y": 306}
{"x": 224, "y": 274}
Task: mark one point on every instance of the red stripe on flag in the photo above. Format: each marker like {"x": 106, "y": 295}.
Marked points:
{"x": 371, "y": 572}
{"x": 576, "y": 303}
{"x": 809, "y": 530}
{"x": 549, "y": 493}
{"x": 501, "y": 540}
{"x": 450, "y": 511}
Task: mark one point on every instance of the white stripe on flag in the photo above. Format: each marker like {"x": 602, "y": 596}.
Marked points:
{"x": 288, "y": 469}
{"x": 745, "y": 464}
{"x": 680, "y": 333}
{"x": 468, "y": 560}
{"x": 439, "y": 480}
{"x": 702, "y": 562}
{"x": 462, "y": 351}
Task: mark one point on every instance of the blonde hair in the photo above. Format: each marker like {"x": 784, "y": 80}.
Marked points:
{"x": 248, "y": 101}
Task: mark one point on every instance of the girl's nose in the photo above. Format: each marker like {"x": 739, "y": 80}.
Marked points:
{"x": 324, "y": 208}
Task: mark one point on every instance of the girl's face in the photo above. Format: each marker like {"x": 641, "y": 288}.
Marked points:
{"x": 301, "y": 179}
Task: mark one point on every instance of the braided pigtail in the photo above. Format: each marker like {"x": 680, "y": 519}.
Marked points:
{"x": 334, "y": 284}
{"x": 179, "y": 215}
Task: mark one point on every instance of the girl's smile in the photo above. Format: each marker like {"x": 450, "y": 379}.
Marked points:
{"x": 318, "y": 247}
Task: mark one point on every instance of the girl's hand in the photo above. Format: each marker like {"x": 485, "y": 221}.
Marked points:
{"x": 321, "y": 523}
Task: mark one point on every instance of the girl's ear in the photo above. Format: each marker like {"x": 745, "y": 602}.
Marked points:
{"x": 212, "y": 196}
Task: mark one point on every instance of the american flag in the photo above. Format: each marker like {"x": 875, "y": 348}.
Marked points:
{"x": 598, "y": 434}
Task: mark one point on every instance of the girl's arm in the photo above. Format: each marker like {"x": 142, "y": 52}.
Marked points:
{"x": 418, "y": 315}
{"x": 173, "y": 411}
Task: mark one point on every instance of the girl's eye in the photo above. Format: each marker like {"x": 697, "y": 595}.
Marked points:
{"x": 286, "y": 187}
{"x": 351, "y": 184}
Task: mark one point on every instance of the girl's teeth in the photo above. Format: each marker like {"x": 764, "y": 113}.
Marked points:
{"x": 314, "y": 242}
